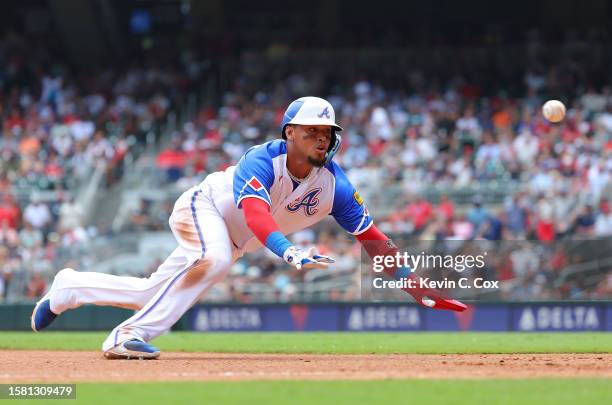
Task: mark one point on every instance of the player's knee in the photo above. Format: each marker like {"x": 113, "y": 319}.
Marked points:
{"x": 221, "y": 265}
{"x": 210, "y": 268}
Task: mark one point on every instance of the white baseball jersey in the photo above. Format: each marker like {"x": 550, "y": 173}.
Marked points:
{"x": 262, "y": 173}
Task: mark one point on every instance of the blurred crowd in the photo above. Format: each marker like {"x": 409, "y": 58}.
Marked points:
{"x": 557, "y": 176}
{"x": 554, "y": 180}
{"x": 408, "y": 129}
{"x": 58, "y": 127}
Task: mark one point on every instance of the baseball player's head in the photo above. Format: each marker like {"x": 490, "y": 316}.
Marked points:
{"x": 309, "y": 125}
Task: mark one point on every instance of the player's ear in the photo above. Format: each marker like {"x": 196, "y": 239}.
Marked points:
{"x": 289, "y": 132}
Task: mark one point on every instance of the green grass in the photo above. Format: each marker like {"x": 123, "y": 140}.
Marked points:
{"x": 533, "y": 391}
{"x": 332, "y": 343}
{"x": 526, "y": 391}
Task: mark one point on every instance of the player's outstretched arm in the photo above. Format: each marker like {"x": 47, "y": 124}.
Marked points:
{"x": 377, "y": 243}
{"x": 264, "y": 227}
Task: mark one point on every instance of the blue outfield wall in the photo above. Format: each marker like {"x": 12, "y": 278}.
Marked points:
{"x": 520, "y": 317}
{"x": 347, "y": 316}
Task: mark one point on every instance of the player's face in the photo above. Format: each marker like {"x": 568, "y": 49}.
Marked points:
{"x": 312, "y": 141}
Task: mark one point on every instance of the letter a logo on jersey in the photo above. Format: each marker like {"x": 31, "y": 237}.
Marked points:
{"x": 325, "y": 113}
{"x": 308, "y": 201}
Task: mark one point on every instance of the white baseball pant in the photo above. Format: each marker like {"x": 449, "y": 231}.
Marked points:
{"x": 203, "y": 257}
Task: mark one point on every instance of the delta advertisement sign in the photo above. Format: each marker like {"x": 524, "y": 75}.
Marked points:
{"x": 532, "y": 317}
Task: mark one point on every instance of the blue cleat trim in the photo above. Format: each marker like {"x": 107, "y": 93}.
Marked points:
{"x": 139, "y": 346}
{"x": 133, "y": 349}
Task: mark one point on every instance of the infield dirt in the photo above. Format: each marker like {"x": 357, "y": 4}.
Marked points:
{"x": 85, "y": 366}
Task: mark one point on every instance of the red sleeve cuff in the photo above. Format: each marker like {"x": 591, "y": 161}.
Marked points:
{"x": 371, "y": 234}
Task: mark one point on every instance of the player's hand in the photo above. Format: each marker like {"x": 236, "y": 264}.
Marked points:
{"x": 306, "y": 259}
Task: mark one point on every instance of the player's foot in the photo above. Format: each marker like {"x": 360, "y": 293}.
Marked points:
{"x": 42, "y": 316}
{"x": 133, "y": 349}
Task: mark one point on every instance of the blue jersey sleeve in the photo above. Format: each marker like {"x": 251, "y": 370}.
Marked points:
{"x": 349, "y": 209}
{"x": 254, "y": 175}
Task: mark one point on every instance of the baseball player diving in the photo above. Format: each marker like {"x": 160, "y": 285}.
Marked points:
{"x": 276, "y": 188}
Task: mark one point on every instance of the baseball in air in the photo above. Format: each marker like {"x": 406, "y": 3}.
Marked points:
{"x": 553, "y": 110}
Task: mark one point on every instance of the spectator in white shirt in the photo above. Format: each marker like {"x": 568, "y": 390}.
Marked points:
{"x": 37, "y": 214}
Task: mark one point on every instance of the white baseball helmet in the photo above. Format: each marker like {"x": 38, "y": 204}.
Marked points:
{"x": 310, "y": 111}
{"x": 313, "y": 111}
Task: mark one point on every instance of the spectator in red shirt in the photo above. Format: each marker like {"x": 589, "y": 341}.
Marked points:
{"x": 14, "y": 121}
{"x": 9, "y": 212}
{"x": 419, "y": 212}
{"x": 173, "y": 160}
{"x": 36, "y": 286}
{"x": 545, "y": 230}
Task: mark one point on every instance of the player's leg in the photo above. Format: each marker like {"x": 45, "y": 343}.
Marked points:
{"x": 205, "y": 242}
{"x": 78, "y": 288}
{"x": 71, "y": 289}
